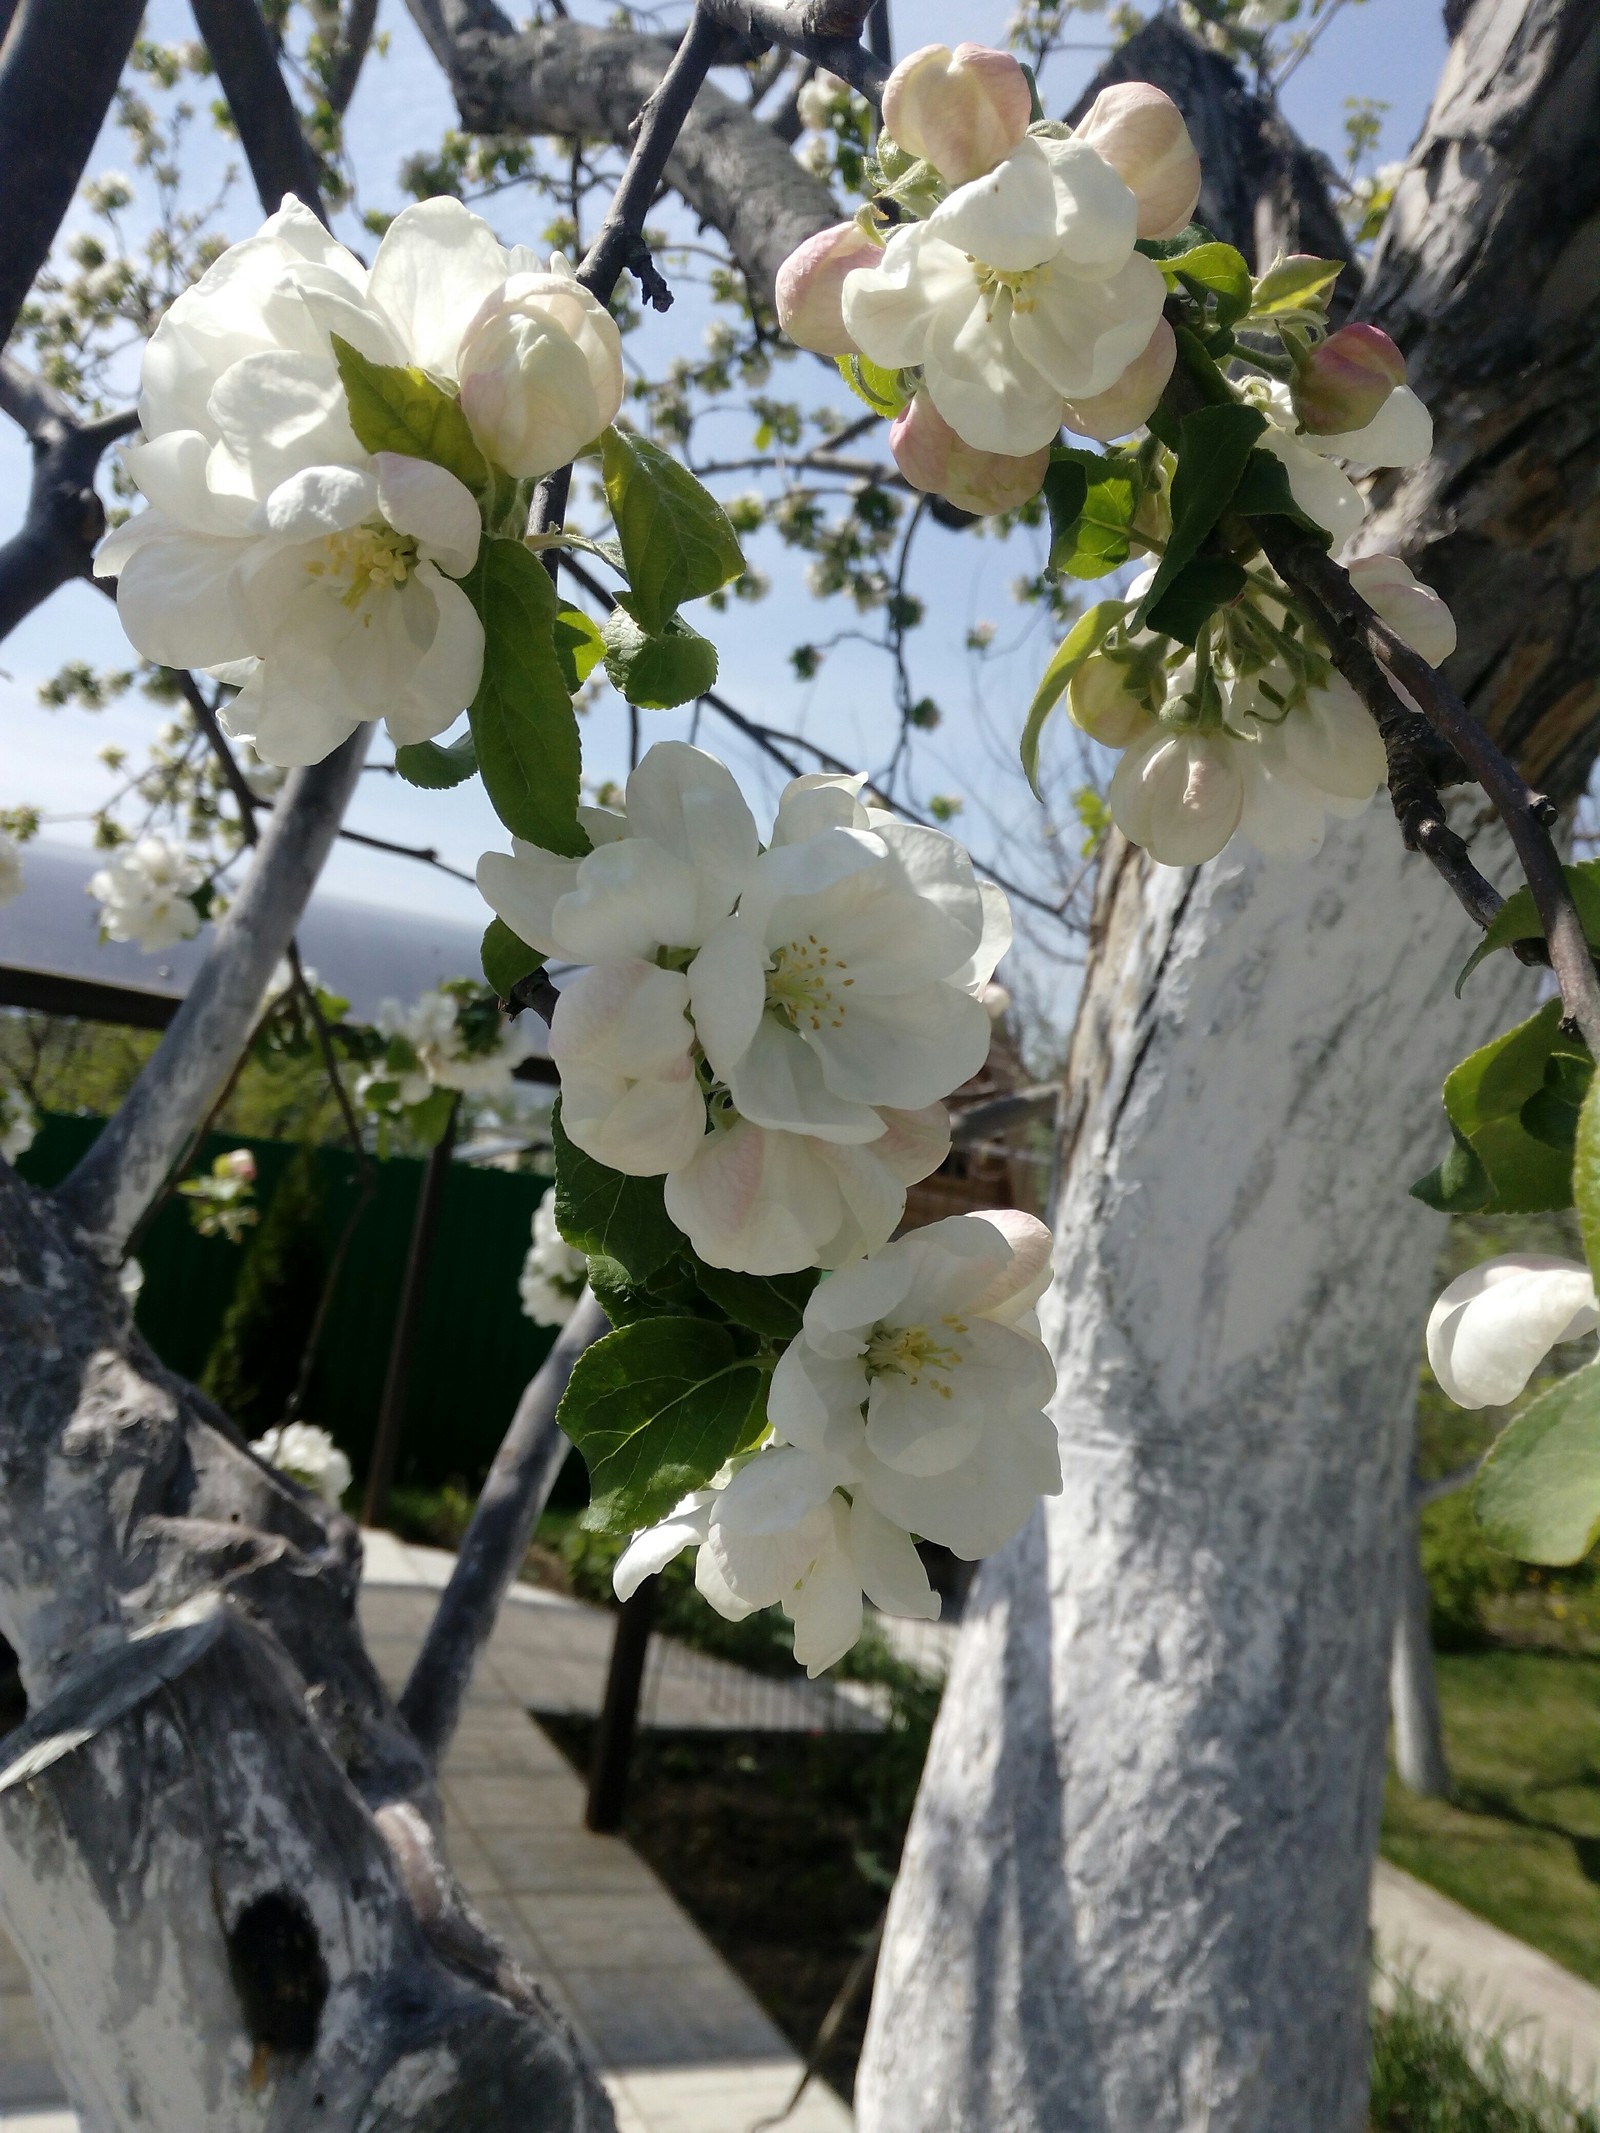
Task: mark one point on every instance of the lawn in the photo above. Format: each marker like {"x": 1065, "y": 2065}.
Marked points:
{"x": 1520, "y": 1843}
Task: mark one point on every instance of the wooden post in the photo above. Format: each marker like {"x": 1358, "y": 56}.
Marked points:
{"x": 397, "y": 1381}
{"x": 613, "y": 1743}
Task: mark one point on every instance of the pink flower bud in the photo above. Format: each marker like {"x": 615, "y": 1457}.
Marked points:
{"x": 1139, "y": 131}
{"x": 1132, "y": 400}
{"x": 1345, "y": 381}
{"x": 808, "y": 286}
{"x": 1414, "y": 612}
{"x": 963, "y": 111}
{"x": 934, "y": 459}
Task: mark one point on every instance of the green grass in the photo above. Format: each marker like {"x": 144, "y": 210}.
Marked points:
{"x": 1520, "y": 1842}
{"x": 1429, "y": 2077}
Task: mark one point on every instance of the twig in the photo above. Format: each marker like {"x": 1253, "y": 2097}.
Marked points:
{"x": 275, "y": 146}
{"x": 496, "y": 1542}
{"x": 1527, "y": 814}
{"x": 1461, "y": 1477}
{"x": 827, "y": 32}
{"x": 205, "y": 718}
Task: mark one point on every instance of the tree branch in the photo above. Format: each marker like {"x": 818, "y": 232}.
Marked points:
{"x": 59, "y": 67}
{"x": 280, "y": 158}
{"x": 105, "y": 1196}
{"x": 827, "y": 32}
{"x": 355, "y": 40}
{"x": 494, "y": 1546}
{"x": 65, "y": 517}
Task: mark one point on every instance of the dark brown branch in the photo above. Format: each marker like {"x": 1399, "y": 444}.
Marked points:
{"x": 355, "y": 40}
{"x": 827, "y": 32}
{"x": 275, "y": 146}
{"x": 496, "y": 1542}
{"x": 58, "y": 73}
{"x": 65, "y": 517}
{"x": 535, "y": 991}
{"x": 1527, "y": 814}
{"x": 227, "y": 762}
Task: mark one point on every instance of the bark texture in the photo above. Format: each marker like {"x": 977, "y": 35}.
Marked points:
{"x": 1134, "y": 1893}
{"x": 218, "y": 1844}
{"x": 571, "y": 79}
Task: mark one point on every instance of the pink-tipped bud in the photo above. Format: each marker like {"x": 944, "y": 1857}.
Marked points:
{"x": 934, "y": 459}
{"x": 962, "y": 111}
{"x": 1139, "y": 131}
{"x": 1132, "y": 400}
{"x": 808, "y": 286}
{"x": 1346, "y": 379}
{"x": 1413, "y": 611}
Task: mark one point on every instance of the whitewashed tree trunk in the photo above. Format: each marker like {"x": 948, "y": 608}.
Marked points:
{"x": 1134, "y": 1892}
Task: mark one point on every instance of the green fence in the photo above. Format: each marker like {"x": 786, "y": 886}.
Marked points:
{"x": 474, "y": 1353}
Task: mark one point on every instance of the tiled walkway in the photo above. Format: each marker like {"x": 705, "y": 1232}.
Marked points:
{"x": 683, "y": 2046}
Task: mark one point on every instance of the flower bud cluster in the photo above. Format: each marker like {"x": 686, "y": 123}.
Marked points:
{"x": 1258, "y": 735}
{"x": 454, "y": 1038}
{"x": 277, "y": 553}
{"x": 1016, "y": 301}
{"x": 553, "y": 1274}
{"x": 146, "y": 895}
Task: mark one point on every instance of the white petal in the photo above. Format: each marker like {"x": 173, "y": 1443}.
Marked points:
{"x": 773, "y": 1492}
{"x": 714, "y": 1588}
{"x": 756, "y": 1202}
{"x": 890, "y": 1569}
{"x": 290, "y": 713}
{"x": 1317, "y": 485}
{"x": 781, "y": 1082}
{"x": 625, "y": 1017}
{"x": 1017, "y": 1287}
{"x": 821, "y": 800}
{"x": 1284, "y": 816}
{"x": 419, "y": 498}
{"x": 178, "y": 597}
{"x": 445, "y": 678}
{"x": 888, "y": 308}
{"x": 1007, "y": 219}
{"x": 841, "y": 1312}
{"x": 1494, "y": 1325}
{"x": 651, "y": 1551}
{"x": 642, "y": 1127}
{"x": 275, "y": 414}
{"x": 727, "y": 992}
{"x": 1079, "y": 334}
{"x": 1400, "y": 434}
{"x": 1097, "y": 215}
{"x": 996, "y": 938}
{"x": 977, "y": 1506}
{"x": 629, "y": 899}
{"x": 435, "y": 266}
{"x": 689, "y": 803}
{"x": 981, "y": 382}
{"x": 816, "y": 1402}
{"x": 171, "y": 472}
{"x": 907, "y": 1050}
{"x": 1333, "y": 742}
{"x": 1413, "y": 611}
{"x": 319, "y": 501}
{"x": 1179, "y": 795}
{"x": 827, "y": 1609}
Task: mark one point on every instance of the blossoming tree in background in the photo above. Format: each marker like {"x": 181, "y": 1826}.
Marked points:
{"x": 355, "y": 481}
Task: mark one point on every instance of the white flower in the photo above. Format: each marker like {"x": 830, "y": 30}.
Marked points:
{"x": 777, "y": 1533}
{"x": 773, "y": 1031}
{"x": 144, "y": 895}
{"x": 541, "y": 371}
{"x": 1179, "y": 794}
{"x": 919, "y": 1380}
{"x": 1413, "y": 611}
{"x": 1494, "y": 1325}
{"x": 1399, "y": 435}
{"x": 10, "y": 869}
{"x": 309, "y": 1455}
{"x": 1020, "y": 292}
{"x": 433, "y": 1029}
{"x": 553, "y": 1274}
{"x": 19, "y": 1122}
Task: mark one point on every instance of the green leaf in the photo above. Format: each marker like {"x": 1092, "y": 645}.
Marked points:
{"x": 1214, "y": 444}
{"x": 429, "y": 1118}
{"x": 1518, "y": 918}
{"x": 1299, "y": 283}
{"x": 1195, "y": 594}
{"x": 1538, "y": 1496}
{"x": 506, "y": 957}
{"x": 1457, "y": 1186}
{"x": 1264, "y": 492}
{"x": 1083, "y": 639}
{"x": 669, "y": 1293}
{"x": 1485, "y": 1096}
{"x": 881, "y": 389}
{"x": 657, "y": 672}
{"x": 655, "y": 1408}
{"x": 1188, "y": 239}
{"x": 1552, "y": 1112}
{"x": 676, "y": 539}
{"x": 523, "y": 725}
{"x": 1216, "y": 272}
{"x": 1586, "y": 1172}
{"x": 579, "y": 647}
{"x": 773, "y": 1305}
{"x": 599, "y": 1211}
{"x": 428, "y": 764}
{"x": 1092, "y": 501}
{"x": 395, "y": 409}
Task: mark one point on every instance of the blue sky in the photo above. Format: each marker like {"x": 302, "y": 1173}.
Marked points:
{"x": 1388, "y": 48}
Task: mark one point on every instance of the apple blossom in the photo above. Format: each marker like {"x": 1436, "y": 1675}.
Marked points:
{"x": 1140, "y": 132}
{"x": 1179, "y": 793}
{"x": 541, "y": 371}
{"x": 918, "y": 1381}
{"x": 1133, "y": 399}
{"x": 772, "y": 1530}
{"x": 1412, "y": 610}
{"x": 1399, "y": 435}
{"x": 10, "y": 869}
{"x": 933, "y": 458}
{"x": 553, "y": 1274}
{"x": 478, "y": 1058}
{"x": 1346, "y": 379}
{"x": 145, "y": 895}
{"x": 308, "y": 1455}
{"x": 1020, "y": 291}
{"x": 1494, "y": 1325}
{"x": 19, "y": 1122}
{"x": 810, "y": 283}
{"x": 961, "y": 111}
{"x": 1103, "y": 705}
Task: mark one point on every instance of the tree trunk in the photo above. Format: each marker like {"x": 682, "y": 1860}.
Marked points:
{"x": 1134, "y": 1893}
